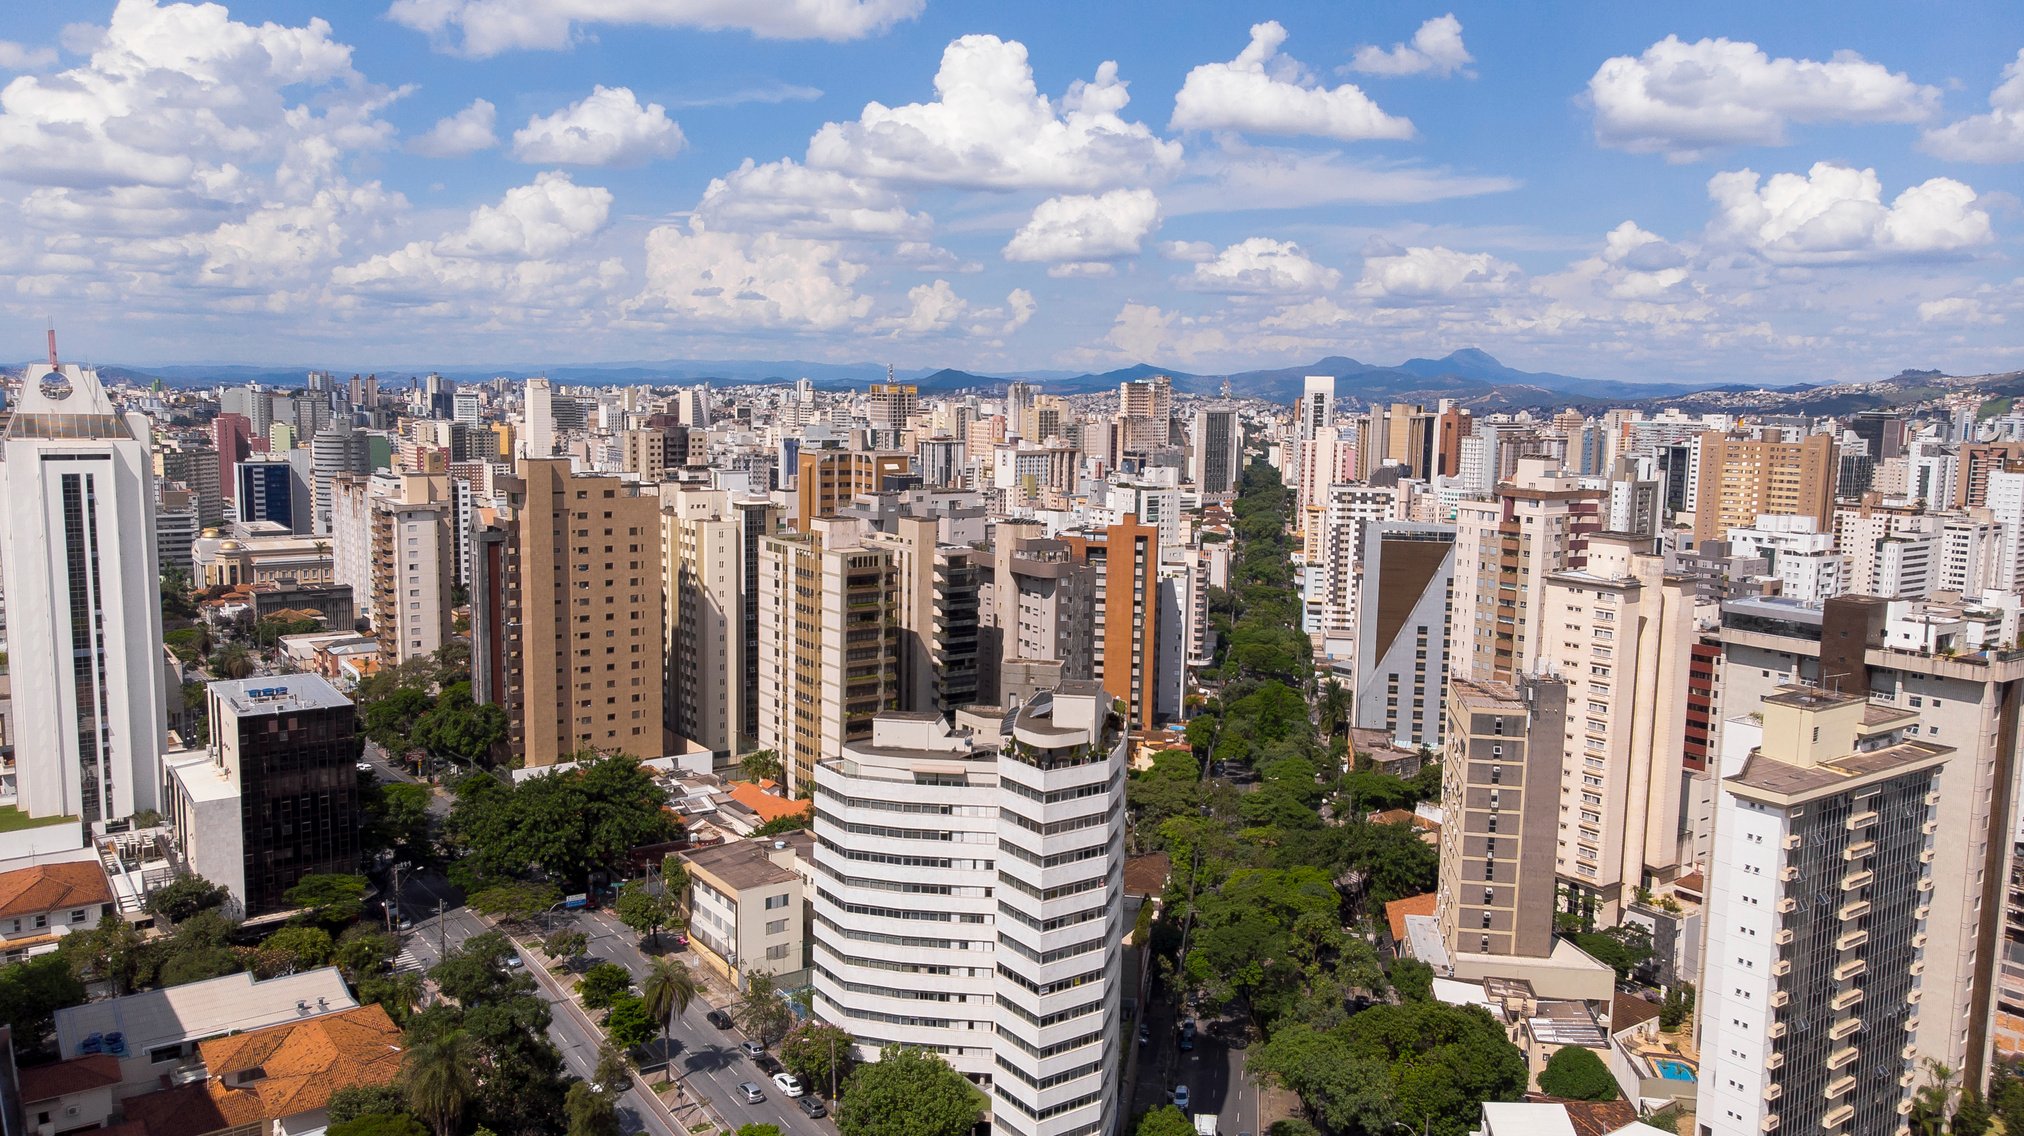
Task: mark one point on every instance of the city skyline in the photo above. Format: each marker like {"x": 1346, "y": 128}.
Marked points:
{"x": 1731, "y": 194}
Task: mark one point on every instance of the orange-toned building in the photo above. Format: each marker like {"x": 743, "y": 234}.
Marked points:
{"x": 1128, "y": 610}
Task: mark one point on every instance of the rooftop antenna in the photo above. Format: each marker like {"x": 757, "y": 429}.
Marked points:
{"x": 52, "y": 343}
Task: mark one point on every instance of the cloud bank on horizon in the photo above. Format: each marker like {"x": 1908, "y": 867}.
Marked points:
{"x": 1735, "y": 195}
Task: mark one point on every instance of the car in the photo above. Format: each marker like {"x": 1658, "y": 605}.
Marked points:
{"x": 752, "y": 1049}
{"x": 1145, "y": 1034}
{"x": 1181, "y": 1097}
{"x": 365, "y": 767}
{"x": 789, "y": 1083}
{"x": 752, "y": 1092}
{"x": 813, "y": 1107}
{"x": 514, "y": 962}
{"x": 404, "y": 923}
{"x": 1187, "y": 1035}
{"x": 718, "y": 1018}
{"x": 768, "y": 1064}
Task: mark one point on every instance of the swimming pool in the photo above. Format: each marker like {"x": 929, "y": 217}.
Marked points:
{"x": 1674, "y": 1070}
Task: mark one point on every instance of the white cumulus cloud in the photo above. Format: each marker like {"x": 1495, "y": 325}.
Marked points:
{"x": 989, "y": 127}
{"x": 1084, "y": 227}
{"x": 20, "y": 57}
{"x": 459, "y": 135}
{"x": 1836, "y": 214}
{"x": 1436, "y": 49}
{"x": 510, "y": 253}
{"x": 480, "y": 28}
{"x": 1994, "y": 137}
{"x": 608, "y": 127}
{"x": 1261, "y": 265}
{"x": 1421, "y": 275}
{"x": 738, "y": 281}
{"x": 790, "y": 198}
{"x": 1263, "y": 92}
{"x": 537, "y": 220}
{"x": 1684, "y": 99}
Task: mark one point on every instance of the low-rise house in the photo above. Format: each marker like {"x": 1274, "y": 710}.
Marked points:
{"x": 41, "y": 904}
{"x": 70, "y": 1095}
{"x": 745, "y": 907}
{"x": 276, "y": 1081}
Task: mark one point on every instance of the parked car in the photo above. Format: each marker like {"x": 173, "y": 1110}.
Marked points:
{"x": 718, "y": 1018}
{"x": 752, "y": 1049}
{"x": 1145, "y": 1034}
{"x": 365, "y": 767}
{"x": 768, "y": 1064}
{"x": 1187, "y": 1035}
{"x": 789, "y": 1083}
{"x": 813, "y": 1107}
{"x": 753, "y": 1093}
{"x": 1181, "y": 1097}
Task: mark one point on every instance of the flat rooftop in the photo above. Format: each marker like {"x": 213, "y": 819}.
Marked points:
{"x": 1771, "y": 777}
{"x": 740, "y": 864}
{"x": 199, "y": 1010}
{"x": 279, "y": 694}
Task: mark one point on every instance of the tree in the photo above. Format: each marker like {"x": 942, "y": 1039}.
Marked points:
{"x": 908, "y": 1092}
{"x": 590, "y": 1112}
{"x": 515, "y": 902}
{"x": 32, "y": 991}
{"x": 234, "y": 662}
{"x": 642, "y": 910}
{"x": 458, "y": 729}
{"x": 764, "y": 1013}
{"x": 666, "y": 994}
{"x": 477, "y": 973}
{"x": 397, "y": 818}
{"x": 331, "y": 899}
{"x": 438, "y": 1074}
{"x": 759, "y": 1130}
{"x": 2008, "y": 1097}
{"x": 1425, "y": 1065}
{"x": 184, "y": 897}
{"x": 1678, "y": 1004}
{"x": 363, "y": 951}
{"x": 1293, "y": 1126}
{"x": 627, "y": 1022}
{"x": 379, "y": 1124}
{"x": 112, "y": 952}
{"x": 612, "y": 1073}
{"x": 602, "y": 983}
{"x": 1933, "y": 1101}
{"x": 784, "y": 824}
{"x": 675, "y": 882}
{"x": 397, "y": 994}
{"x": 822, "y": 1055}
{"x": 1165, "y": 1121}
{"x": 567, "y": 825}
{"x": 1413, "y": 979}
{"x": 565, "y": 945}
{"x": 354, "y": 1101}
{"x": 1577, "y": 1074}
{"x": 200, "y": 949}
{"x": 1971, "y": 1118}
{"x": 761, "y": 765}
{"x": 292, "y": 950}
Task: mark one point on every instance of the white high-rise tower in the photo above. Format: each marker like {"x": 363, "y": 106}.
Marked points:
{"x": 77, "y": 521}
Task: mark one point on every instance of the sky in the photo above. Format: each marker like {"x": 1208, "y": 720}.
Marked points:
{"x": 1733, "y": 192}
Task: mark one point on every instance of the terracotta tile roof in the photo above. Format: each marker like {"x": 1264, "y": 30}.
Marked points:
{"x": 186, "y": 1110}
{"x": 301, "y": 1063}
{"x": 1599, "y": 1118}
{"x": 1627, "y": 1010}
{"x": 77, "y": 1075}
{"x": 768, "y": 806}
{"x": 1396, "y": 911}
{"x": 1147, "y": 874}
{"x": 53, "y": 887}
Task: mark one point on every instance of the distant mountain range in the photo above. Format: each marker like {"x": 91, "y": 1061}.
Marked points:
{"x": 1470, "y": 376}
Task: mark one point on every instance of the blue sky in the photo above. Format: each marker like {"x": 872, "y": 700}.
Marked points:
{"x": 1717, "y": 191}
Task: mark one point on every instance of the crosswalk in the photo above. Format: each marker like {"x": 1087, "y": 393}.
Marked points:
{"x": 406, "y": 962}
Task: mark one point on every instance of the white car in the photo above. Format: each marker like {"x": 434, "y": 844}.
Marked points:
{"x": 1181, "y": 1097}
{"x": 788, "y": 1084}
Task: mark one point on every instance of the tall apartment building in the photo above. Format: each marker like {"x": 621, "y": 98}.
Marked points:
{"x": 267, "y": 492}
{"x": 939, "y": 615}
{"x": 1505, "y": 547}
{"x": 704, "y": 551}
{"x": 1500, "y": 786}
{"x": 829, "y": 642}
{"x": 232, "y": 437}
{"x": 274, "y": 797}
{"x": 1333, "y": 556}
{"x": 198, "y": 469}
{"x": 1818, "y": 906}
{"x": 581, "y": 619}
{"x": 84, "y": 623}
{"x": 1620, "y": 632}
{"x": 1405, "y": 594}
{"x": 1125, "y": 650}
{"x": 176, "y": 528}
{"x": 1019, "y": 866}
{"x": 888, "y": 406}
{"x": 1802, "y": 557}
{"x": 1145, "y": 413}
{"x": 1742, "y": 479}
{"x": 537, "y": 418}
{"x": 1216, "y": 460}
{"x": 393, "y": 540}
{"x": 334, "y": 450}
{"x": 1974, "y": 704}
{"x": 1399, "y": 434}
{"x": 1042, "y": 602}
{"x": 1451, "y": 425}
{"x": 827, "y": 480}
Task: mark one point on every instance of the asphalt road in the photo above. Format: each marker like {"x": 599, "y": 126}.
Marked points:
{"x": 1213, "y": 1070}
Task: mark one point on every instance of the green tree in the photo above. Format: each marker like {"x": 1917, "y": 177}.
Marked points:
{"x": 477, "y": 972}
{"x": 761, "y": 765}
{"x": 642, "y": 910}
{"x": 565, "y": 945}
{"x": 199, "y": 949}
{"x": 112, "y": 952}
{"x": 1971, "y": 1117}
{"x": 515, "y": 902}
{"x": 184, "y": 897}
{"x": 234, "y": 662}
{"x": 675, "y": 882}
{"x": 1932, "y": 1101}
{"x": 764, "y": 1012}
{"x": 1292, "y": 1127}
{"x": 908, "y": 1092}
{"x": 819, "y": 1053}
{"x": 590, "y": 1112}
{"x": 32, "y": 991}
{"x": 460, "y": 730}
{"x": 1165, "y": 1121}
{"x": 292, "y": 950}
{"x": 2008, "y": 1097}
{"x": 612, "y": 1073}
{"x": 438, "y": 1073}
{"x": 1413, "y": 979}
{"x": 330, "y": 899}
{"x": 627, "y": 1022}
{"x": 354, "y": 1101}
{"x": 759, "y": 1130}
{"x": 1425, "y": 1065}
{"x": 396, "y": 817}
{"x": 388, "y": 715}
{"x": 666, "y": 994}
{"x": 397, "y": 994}
{"x": 1577, "y": 1074}
{"x": 379, "y": 1124}
{"x": 1623, "y": 949}
{"x": 602, "y": 983}
{"x": 363, "y": 951}
{"x": 567, "y": 824}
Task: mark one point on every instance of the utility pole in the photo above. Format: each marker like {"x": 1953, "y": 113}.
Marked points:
{"x": 395, "y": 905}
{"x": 442, "y": 933}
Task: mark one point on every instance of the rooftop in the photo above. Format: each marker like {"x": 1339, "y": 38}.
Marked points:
{"x": 279, "y": 694}
{"x": 1773, "y": 778}
{"x": 198, "y": 1010}
{"x": 767, "y": 805}
{"x": 77, "y": 1075}
{"x": 740, "y": 864}
{"x": 53, "y": 887}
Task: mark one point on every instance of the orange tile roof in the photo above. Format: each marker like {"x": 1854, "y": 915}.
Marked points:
{"x": 768, "y": 806}
{"x": 1396, "y": 911}
{"x": 302, "y": 1063}
{"x": 186, "y": 1110}
{"x": 77, "y": 1075}
{"x": 53, "y": 887}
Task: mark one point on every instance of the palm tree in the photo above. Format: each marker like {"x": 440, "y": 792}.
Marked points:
{"x": 439, "y": 1081}
{"x": 235, "y": 661}
{"x": 667, "y": 992}
{"x": 1930, "y": 1103}
{"x": 1332, "y": 710}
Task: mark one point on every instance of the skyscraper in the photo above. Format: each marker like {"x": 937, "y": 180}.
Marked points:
{"x": 1217, "y": 459}
{"x": 1405, "y": 593}
{"x": 334, "y": 450}
{"x": 1743, "y": 478}
{"x": 77, "y": 521}
{"x": 538, "y": 418}
{"x": 266, "y": 492}
{"x": 1500, "y": 794}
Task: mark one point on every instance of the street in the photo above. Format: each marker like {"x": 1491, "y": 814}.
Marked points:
{"x": 1213, "y": 1070}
